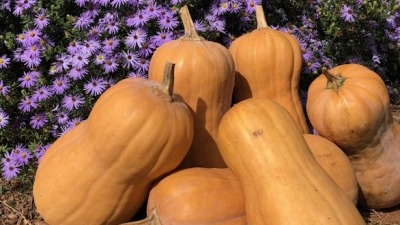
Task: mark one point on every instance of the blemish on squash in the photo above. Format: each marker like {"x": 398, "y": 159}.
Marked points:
{"x": 257, "y": 133}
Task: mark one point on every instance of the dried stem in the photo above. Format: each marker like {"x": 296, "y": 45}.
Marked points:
{"x": 260, "y": 17}
{"x": 190, "y": 30}
{"x": 334, "y": 81}
{"x": 26, "y": 221}
{"x": 168, "y": 80}
{"x": 151, "y": 219}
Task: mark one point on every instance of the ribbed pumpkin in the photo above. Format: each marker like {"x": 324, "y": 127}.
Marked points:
{"x": 336, "y": 163}
{"x": 194, "y": 196}
{"x": 101, "y": 171}
{"x": 268, "y": 64}
{"x": 349, "y": 105}
{"x": 204, "y": 77}
{"x": 281, "y": 180}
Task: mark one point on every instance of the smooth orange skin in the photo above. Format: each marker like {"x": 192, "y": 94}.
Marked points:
{"x": 100, "y": 172}
{"x": 198, "y": 196}
{"x": 336, "y": 163}
{"x": 268, "y": 64}
{"x": 357, "y": 117}
{"x": 204, "y": 77}
{"x": 281, "y": 180}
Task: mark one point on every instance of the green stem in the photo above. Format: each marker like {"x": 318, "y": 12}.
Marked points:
{"x": 334, "y": 81}
{"x": 190, "y": 30}
{"x": 260, "y": 17}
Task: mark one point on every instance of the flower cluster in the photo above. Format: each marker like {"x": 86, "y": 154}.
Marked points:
{"x": 57, "y": 57}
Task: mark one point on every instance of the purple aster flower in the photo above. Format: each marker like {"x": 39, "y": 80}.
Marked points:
{"x": 221, "y": 8}
{"x": 147, "y": 49}
{"x": 62, "y": 117}
{"x": 312, "y": 67}
{"x": 3, "y": 119}
{"x": 93, "y": 9}
{"x": 89, "y": 47}
{"x": 307, "y": 54}
{"x": 38, "y": 120}
{"x": 217, "y": 24}
{"x": 60, "y": 85}
{"x": 153, "y": 10}
{"x": 3, "y": 88}
{"x": 348, "y": 14}
{"x": 118, "y": 3}
{"x": 95, "y": 86}
{"x": 74, "y": 47}
{"x": 62, "y": 62}
{"x": 71, "y": 102}
{"x": 136, "y": 38}
{"x": 5, "y": 5}
{"x": 77, "y": 73}
{"x": 4, "y": 61}
{"x": 112, "y": 26}
{"x": 199, "y": 25}
{"x": 83, "y": 21}
{"x": 110, "y": 65}
{"x": 27, "y": 104}
{"x": 161, "y": 37}
{"x": 29, "y": 79}
{"x": 81, "y": 3}
{"x": 102, "y": 2}
{"x": 39, "y": 152}
{"x": 8, "y": 158}
{"x": 139, "y": 19}
{"x": 137, "y": 74}
{"x": 235, "y": 6}
{"x": 109, "y": 44}
{"x": 99, "y": 58}
{"x": 74, "y": 122}
{"x": 33, "y": 36}
{"x": 95, "y": 32}
{"x": 33, "y": 51}
{"x": 41, "y": 94}
{"x": 18, "y": 9}
{"x": 79, "y": 60}
{"x": 11, "y": 170}
{"x": 30, "y": 61}
{"x": 251, "y": 5}
{"x": 143, "y": 65}
{"x": 22, "y": 154}
{"x": 130, "y": 59}
{"x": 41, "y": 21}
{"x": 168, "y": 22}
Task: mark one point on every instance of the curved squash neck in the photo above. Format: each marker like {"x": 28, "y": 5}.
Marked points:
{"x": 260, "y": 17}
{"x": 334, "y": 81}
{"x": 188, "y": 25}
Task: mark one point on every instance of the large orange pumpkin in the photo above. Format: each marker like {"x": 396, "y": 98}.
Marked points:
{"x": 100, "y": 172}
{"x": 207, "y": 196}
{"x": 268, "y": 64}
{"x": 349, "y": 105}
{"x": 282, "y": 182}
{"x": 204, "y": 77}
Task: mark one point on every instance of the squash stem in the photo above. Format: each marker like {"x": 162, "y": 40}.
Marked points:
{"x": 334, "y": 81}
{"x": 190, "y": 30}
{"x": 168, "y": 80}
{"x": 151, "y": 219}
{"x": 260, "y": 17}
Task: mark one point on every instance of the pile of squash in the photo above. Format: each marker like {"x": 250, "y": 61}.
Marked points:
{"x": 218, "y": 136}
